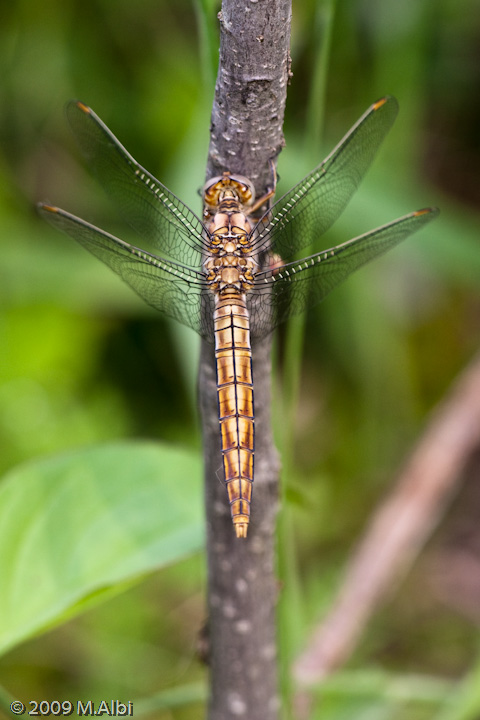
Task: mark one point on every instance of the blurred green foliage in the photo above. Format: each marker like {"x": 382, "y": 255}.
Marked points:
{"x": 76, "y": 527}
{"x": 84, "y": 361}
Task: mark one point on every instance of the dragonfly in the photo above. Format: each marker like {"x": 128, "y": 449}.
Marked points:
{"x": 230, "y": 274}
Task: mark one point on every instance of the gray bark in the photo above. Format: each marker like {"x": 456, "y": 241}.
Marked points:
{"x": 251, "y": 89}
{"x": 246, "y": 134}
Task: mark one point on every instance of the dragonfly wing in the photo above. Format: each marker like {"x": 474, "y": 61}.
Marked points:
{"x": 281, "y": 293}
{"x": 147, "y": 205}
{"x": 176, "y": 290}
{"x": 302, "y": 215}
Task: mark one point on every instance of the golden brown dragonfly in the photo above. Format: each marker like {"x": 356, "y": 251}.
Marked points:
{"x": 227, "y": 275}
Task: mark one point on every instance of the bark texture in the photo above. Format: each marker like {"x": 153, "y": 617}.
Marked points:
{"x": 246, "y": 134}
{"x": 251, "y": 89}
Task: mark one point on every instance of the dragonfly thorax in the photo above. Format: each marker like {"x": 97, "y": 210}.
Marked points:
{"x": 229, "y": 229}
{"x": 230, "y": 271}
{"x": 229, "y": 265}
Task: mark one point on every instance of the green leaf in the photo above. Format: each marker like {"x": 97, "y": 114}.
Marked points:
{"x": 79, "y": 527}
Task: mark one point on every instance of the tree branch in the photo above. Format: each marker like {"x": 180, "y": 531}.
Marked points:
{"x": 251, "y": 89}
{"x": 246, "y": 134}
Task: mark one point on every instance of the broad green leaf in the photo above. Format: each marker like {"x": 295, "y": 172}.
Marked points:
{"x": 78, "y": 527}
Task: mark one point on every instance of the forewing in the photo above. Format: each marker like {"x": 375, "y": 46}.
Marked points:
{"x": 301, "y": 216}
{"x": 172, "y": 288}
{"x": 147, "y": 205}
{"x": 279, "y": 294}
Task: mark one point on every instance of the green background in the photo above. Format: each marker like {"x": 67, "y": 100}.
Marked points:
{"x": 83, "y": 362}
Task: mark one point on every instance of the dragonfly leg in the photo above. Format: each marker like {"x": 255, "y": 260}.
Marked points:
{"x": 270, "y": 191}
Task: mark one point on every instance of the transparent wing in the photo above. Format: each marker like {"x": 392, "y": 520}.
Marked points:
{"x": 307, "y": 211}
{"x": 147, "y": 205}
{"x": 176, "y": 290}
{"x": 279, "y": 294}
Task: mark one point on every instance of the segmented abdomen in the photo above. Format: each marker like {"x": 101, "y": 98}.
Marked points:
{"x": 233, "y": 357}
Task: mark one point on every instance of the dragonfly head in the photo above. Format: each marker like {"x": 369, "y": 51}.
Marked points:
{"x": 225, "y": 187}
